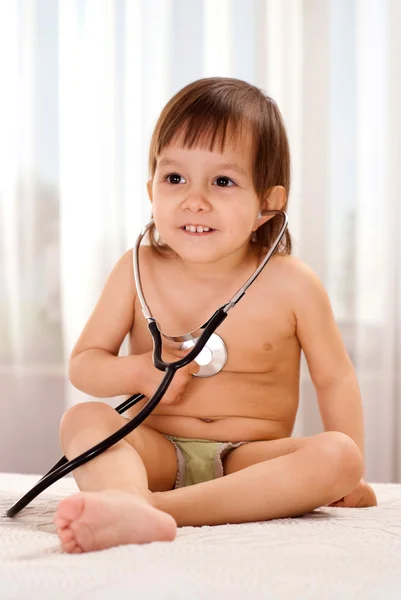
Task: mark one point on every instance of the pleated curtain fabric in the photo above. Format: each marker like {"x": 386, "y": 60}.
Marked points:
{"x": 82, "y": 84}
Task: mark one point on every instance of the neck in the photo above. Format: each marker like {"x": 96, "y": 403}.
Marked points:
{"x": 222, "y": 269}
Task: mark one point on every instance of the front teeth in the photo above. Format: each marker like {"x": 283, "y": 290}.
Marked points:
{"x": 198, "y": 229}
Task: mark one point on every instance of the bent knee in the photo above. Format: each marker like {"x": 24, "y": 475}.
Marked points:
{"x": 80, "y": 416}
{"x": 341, "y": 456}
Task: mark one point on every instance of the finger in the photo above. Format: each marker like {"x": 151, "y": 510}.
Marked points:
{"x": 195, "y": 367}
{"x": 192, "y": 368}
{"x": 173, "y": 353}
{"x": 177, "y": 354}
{"x": 181, "y": 351}
{"x": 167, "y": 400}
{"x": 176, "y": 400}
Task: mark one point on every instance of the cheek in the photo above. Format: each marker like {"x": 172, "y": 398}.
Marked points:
{"x": 162, "y": 216}
{"x": 241, "y": 220}
{"x": 159, "y": 217}
{"x": 160, "y": 211}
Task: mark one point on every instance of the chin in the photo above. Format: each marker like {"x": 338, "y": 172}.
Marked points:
{"x": 199, "y": 257}
{"x": 196, "y": 253}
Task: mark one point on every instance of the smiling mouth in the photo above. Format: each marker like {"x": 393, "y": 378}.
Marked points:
{"x": 197, "y": 229}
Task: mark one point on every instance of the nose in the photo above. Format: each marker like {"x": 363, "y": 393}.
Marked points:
{"x": 196, "y": 201}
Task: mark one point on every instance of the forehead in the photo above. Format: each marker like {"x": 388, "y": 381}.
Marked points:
{"x": 236, "y": 149}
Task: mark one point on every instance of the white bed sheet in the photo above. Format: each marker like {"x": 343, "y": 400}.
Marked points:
{"x": 331, "y": 553}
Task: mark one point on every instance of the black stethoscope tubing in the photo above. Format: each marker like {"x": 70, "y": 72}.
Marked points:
{"x": 63, "y": 466}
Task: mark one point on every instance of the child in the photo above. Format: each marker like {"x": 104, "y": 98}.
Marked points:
{"x": 218, "y": 449}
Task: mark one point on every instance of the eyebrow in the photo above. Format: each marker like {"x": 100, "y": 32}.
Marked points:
{"x": 166, "y": 162}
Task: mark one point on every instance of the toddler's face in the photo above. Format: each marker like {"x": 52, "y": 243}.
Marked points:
{"x": 204, "y": 203}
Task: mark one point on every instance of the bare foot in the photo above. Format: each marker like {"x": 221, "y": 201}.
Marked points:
{"x": 97, "y": 520}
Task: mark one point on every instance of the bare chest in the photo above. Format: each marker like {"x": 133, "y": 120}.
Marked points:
{"x": 259, "y": 332}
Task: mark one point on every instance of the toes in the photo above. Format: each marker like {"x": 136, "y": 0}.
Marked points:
{"x": 71, "y": 547}
{"x": 68, "y": 546}
{"x": 83, "y": 535}
{"x": 60, "y": 523}
{"x": 65, "y": 535}
{"x": 71, "y": 508}
{"x": 69, "y": 526}
{"x": 68, "y": 542}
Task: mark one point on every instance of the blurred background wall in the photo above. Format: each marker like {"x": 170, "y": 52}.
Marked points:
{"x": 81, "y": 85}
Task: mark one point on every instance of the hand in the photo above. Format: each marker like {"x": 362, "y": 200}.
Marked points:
{"x": 152, "y": 377}
{"x": 360, "y": 497}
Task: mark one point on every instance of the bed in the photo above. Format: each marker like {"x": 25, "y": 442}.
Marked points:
{"x": 331, "y": 553}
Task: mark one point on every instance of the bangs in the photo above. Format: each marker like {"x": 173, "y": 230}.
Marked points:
{"x": 205, "y": 117}
{"x": 205, "y": 131}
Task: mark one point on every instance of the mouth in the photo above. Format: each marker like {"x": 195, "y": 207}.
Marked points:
{"x": 192, "y": 229}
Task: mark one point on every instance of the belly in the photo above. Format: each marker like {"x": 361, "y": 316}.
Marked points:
{"x": 223, "y": 429}
{"x": 225, "y": 410}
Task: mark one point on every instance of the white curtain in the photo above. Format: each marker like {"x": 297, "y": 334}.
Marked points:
{"x": 82, "y": 83}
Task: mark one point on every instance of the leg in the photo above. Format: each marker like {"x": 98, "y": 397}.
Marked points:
{"x": 146, "y": 459}
{"x": 270, "y": 480}
{"x": 117, "y": 504}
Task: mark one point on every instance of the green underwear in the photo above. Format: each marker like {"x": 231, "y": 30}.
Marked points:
{"x": 199, "y": 460}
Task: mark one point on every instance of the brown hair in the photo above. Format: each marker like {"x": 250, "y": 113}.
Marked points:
{"x": 203, "y": 112}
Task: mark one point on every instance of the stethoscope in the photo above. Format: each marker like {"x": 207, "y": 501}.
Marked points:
{"x": 206, "y": 345}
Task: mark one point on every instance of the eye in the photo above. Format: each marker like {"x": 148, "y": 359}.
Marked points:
{"x": 174, "y": 178}
{"x": 224, "y": 181}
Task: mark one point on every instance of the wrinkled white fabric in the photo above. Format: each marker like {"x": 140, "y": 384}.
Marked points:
{"x": 329, "y": 554}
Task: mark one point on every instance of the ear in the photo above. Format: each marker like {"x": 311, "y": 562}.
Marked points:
{"x": 275, "y": 200}
{"x": 150, "y": 190}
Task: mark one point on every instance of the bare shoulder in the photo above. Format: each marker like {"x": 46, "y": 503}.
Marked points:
{"x": 296, "y": 282}
{"x": 303, "y": 289}
{"x": 294, "y": 273}
{"x": 123, "y": 273}
{"x": 288, "y": 263}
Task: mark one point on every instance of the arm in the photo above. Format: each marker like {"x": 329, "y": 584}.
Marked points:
{"x": 330, "y": 367}
{"x": 94, "y": 365}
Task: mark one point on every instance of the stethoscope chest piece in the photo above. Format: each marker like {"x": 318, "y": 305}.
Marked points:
{"x": 211, "y": 358}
